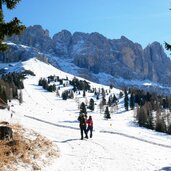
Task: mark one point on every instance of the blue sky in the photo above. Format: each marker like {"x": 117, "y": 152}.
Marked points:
{"x": 142, "y": 21}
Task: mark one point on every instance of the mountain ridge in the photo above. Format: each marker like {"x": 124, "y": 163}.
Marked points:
{"x": 93, "y": 53}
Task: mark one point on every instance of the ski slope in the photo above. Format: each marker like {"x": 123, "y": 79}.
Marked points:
{"x": 117, "y": 144}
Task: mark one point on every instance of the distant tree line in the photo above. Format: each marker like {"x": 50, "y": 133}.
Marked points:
{"x": 152, "y": 111}
{"x": 80, "y": 84}
{"x": 10, "y": 84}
{"x": 49, "y": 85}
{"x": 44, "y": 83}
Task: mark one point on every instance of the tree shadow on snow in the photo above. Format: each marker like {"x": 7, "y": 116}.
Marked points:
{"x": 64, "y": 141}
{"x": 168, "y": 168}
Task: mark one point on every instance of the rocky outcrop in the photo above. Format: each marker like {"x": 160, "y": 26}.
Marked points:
{"x": 95, "y": 53}
{"x": 62, "y": 43}
{"x": 35, "y": 36}
{"x": 19, "y": 53}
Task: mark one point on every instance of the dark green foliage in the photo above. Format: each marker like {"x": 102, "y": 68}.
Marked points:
{"x": 106, "y": 113}
{"x": 169, "y": 129}
{"x": 132, "y": 101}
{"x": 110, "y": 101}
{"x": 91, "y": 104}
{"x": 84, "y": 93}
{"x": 167, "y": 46}
{"x": 111, "y": 86}
{"x": 103, "y": 93}
{"x": 28, "y": 72}
{"x": 74, "y": 88}
{"x": 51, "y": 88}
{"x": 126, "y": 101}
{"x": 40, "y": 83}
{"x": 51, "y": 78}
{"x": 65, "y": 95}
{"x": 114, "y": 100}
{"x": 83, "y": 108}
{"x": 60, "y": 81}
{"x": 8, "y": 29}
{"x": 148, "y": 97}
{"x": 80, "y": 84}
{"x": 140, "y": 97}
{"x": 97, "y": 97}
{"x": 165, "y": 103}
{"x": 45, "y": 84}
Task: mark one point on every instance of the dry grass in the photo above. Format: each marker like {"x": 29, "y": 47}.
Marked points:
{"x": 27, "y": 149}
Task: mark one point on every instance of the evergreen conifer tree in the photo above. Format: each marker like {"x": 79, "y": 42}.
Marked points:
{"x": 103, "y": 93}
{"x": 84, "y": 93}
{"x": 114, "y": 100}
{"x": 40, "y": 82}
{"x": 8, "y": 28}
{"x": 83, "y": 108}
{"x": 110, "y": 101}
{"x": 91, "y": 105}
{"x": 106, "y": 113}
{"x": 126, "y": 101}
{"x": 132, "y": 101}
{"x": 65, "y": 95}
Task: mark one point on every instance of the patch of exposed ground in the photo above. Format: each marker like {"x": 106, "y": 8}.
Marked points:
{"x": 28, "y": 150}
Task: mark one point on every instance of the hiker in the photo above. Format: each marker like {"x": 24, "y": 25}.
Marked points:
{"x": 82, "y": 121}
{"x": 90, "y": 126}
{"x": 85, "y": 117}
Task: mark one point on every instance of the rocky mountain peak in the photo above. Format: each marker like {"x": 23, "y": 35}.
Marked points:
{"x": 96, "y": 53}
{"x": 62, "y": 42}
{"x": 35, "y": 36}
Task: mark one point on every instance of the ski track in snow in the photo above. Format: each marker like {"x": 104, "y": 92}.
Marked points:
{"x": 102, "y": 131}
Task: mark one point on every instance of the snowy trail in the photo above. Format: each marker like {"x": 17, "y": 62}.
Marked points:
{"x": 102, "y": 131}
{"x": 58, "y": 125}
{"x": 136, "y": 138}
{"x": 119, "y": 147}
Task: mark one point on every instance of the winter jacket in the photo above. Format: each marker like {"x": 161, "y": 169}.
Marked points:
{"x": 82, "y": 120}
{"x": 90, "y": 122}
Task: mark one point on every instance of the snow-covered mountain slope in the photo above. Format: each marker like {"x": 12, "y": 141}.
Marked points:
{"x": 20, "y": 52}
{"x": 117, "y": 144}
